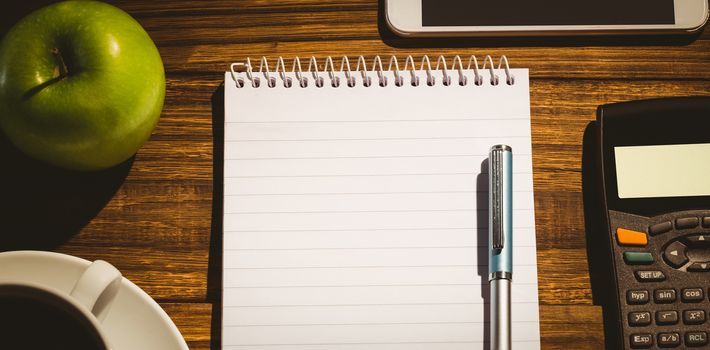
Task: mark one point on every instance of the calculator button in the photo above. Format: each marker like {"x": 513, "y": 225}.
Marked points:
{"x": 650, "y": 276}
{"x": 629, "y": 237}
{"x": 641, "y": 341}
{"x": 692, "y": 295}
{"x": 638, "y": 258}
{"x": 637, "y": 297}
{"x": 683, "y": 223}
{"x": 666, "y": 317}
{"x": 637, "y": 319}
{"x": 706, "y": 221}
{"x": 699, "y": 267}
{"x": 696, "y": 338}
{"x": 699, "y": 239}
{"x": 664, "y": 296}
{"x": 694, "y": 316}
{"x": 668, "y": 340}
{"x": 675, "y": 254}
{"x": 659, "y": 228}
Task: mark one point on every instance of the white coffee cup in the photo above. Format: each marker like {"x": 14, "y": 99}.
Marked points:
{"x": 86, "y": 305}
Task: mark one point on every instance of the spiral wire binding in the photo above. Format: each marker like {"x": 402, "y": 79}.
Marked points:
{"x": 255, "y": 78}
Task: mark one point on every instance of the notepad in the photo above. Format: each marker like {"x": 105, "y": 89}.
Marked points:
{"x": 355, "y": 207}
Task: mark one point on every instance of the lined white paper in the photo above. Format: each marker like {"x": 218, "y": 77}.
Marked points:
{"x": 356, "y": 217}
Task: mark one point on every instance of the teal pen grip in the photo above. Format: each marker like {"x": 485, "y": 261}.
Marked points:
{"x": 500, "y": 216}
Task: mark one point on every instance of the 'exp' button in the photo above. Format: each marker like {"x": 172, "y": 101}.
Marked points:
{"x": 641, "y": 341}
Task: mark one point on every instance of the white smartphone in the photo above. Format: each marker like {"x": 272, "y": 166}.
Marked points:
{"x": 544, "y": 17}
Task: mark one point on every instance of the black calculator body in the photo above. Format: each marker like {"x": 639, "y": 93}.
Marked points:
{"x": 655, "y": 184}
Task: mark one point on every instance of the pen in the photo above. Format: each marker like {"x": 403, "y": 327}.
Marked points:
{"x": 500, "y": 243}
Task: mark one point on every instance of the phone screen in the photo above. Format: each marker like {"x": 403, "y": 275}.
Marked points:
{"x": 546, "y": 12}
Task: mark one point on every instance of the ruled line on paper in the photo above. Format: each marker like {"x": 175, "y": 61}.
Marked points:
{"x": 387, "y": 229}
{"x": 388, "y": 343}
{"x": 381, "y": 285}
{"x": 360, "y": 211}
{"x": 366, "y": 157}
{"x": 331, "y": 305}
{"x": 351, "y": 266}
{"x": 372, "y": 120}
{"x": 379, "y": 129}
{"x": 354, "y": 175}
{"x": 349, "y": 193}
{"x": 369, "y": 248}
{"x": 372, "y": 139}
{"x": 362, "y": 324}
{"x": 365, "y": 184}
{"x": 374, "y": 229}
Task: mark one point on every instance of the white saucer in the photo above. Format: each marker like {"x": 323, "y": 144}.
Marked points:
{"x": 134, "y": 322}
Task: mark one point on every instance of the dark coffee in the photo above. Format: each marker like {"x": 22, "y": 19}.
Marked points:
{"x": 44, "y": 322}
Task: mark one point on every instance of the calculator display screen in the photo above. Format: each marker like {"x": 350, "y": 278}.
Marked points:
{"x": 678, "y": 170}
{"x": 546, "y": 12}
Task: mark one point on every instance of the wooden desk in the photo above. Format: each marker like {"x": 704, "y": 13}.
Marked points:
{"x": 156, "y": 222}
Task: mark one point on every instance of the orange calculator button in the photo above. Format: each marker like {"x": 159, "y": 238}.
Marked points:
{"x": 630, "y": 237}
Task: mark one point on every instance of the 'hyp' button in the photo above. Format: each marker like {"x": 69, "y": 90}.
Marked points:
{"x": 637, "y": 297}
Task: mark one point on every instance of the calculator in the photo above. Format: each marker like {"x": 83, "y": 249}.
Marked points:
{"x": 655, "y": 187}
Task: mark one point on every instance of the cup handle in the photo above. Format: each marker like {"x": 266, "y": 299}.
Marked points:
{"x": 97, "y": 288}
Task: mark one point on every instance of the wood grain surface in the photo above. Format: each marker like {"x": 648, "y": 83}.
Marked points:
{"x": 156, "y": 217}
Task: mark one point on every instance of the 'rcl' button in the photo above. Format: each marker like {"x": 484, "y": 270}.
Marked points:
{"x": 696, "y": 338}
{"x": 650, "y": 276}
{"x": 692, "y": 295}
{"x": 668, "y": 340}
{"x": 640, "y": 341}
{"x": 637, "y": 319}
{"x": 664, "y": 296}
{"x": 637, "y": 297}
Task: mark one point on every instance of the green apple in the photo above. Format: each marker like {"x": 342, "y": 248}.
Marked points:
{"x": 81, "y": 85}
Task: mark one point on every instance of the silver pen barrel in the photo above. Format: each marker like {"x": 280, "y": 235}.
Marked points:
{"x": 500, "y": 314}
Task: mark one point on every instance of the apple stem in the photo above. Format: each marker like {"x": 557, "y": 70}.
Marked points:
{"x": 63, "y": 70}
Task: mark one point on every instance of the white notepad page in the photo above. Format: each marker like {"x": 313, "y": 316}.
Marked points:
{"x": 355, "y": 217}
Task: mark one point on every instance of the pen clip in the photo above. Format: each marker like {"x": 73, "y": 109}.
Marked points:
{"x": 496, "y": 159}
